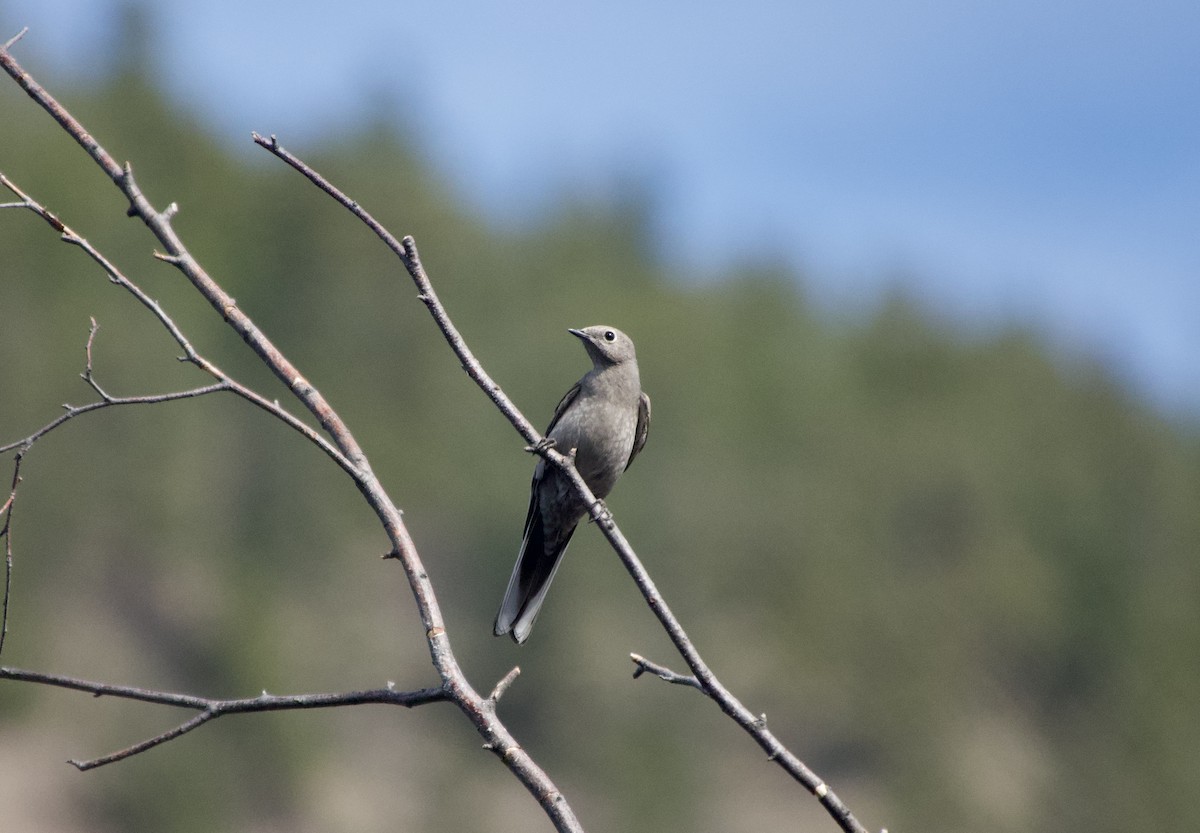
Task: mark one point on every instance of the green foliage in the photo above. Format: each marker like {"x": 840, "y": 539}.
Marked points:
{"x": 957, "y": 573}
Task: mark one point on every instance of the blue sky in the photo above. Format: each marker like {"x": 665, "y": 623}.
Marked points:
{"x": 1002, "y": 161}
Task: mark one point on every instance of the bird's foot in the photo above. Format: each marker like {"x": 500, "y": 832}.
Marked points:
{"x": 541, "y": 445}
{"x": 600, "y": 513}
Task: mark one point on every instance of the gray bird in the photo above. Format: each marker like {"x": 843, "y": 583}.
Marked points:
{"x": 605, "y": 418}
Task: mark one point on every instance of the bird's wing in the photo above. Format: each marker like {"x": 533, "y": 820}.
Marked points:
{"x": 533, "y": 517}
{"x": 643, "y": 428}
{"x": 534, "y": 569}
{"x": 561, "y": 407}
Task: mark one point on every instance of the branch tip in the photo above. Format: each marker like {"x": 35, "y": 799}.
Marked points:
{"x": 13, "y": 40}
{"x": 269, "y": 143}
{"x": 502, "y": 686}
{"x": 663, "y": 673}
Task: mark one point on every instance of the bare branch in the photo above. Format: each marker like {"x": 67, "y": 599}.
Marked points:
{"x": 344, "y": 450}
{"x": 83, "y": 765}
{"x": 707, "y": 681}
{"x": 406, "y": 250}
{"x": 225, "y": 382}
{"x": 705, "y": 678}
{"x": 114, "y": 274}
{"x": 107, "y": 400}
{"x": 502, "y": 686}
{"x": 350, "y": 457}
{"x": 9, "y": 43}
{"x": 211, "y": 708}
{"x": 662, "y": 672}
{"x": 346, "y": 453}
{"x": 76, "y": 410}
{"x": 6, "y": 533}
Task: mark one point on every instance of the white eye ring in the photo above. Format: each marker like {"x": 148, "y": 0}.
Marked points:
{"x": 609, "y": 335}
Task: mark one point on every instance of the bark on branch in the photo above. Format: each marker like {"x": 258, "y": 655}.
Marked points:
{"x": 705, "y": 679}
{"x": 208, "y": 708}
{"x": 336, "y": 441}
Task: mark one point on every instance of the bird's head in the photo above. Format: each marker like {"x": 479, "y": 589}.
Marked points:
{"x": 606, "y": 345}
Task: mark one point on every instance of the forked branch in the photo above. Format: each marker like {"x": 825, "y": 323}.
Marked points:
{"x": 208, "y": 708}
{"x": 334, "y": 439}
{"x": 705, "y": 680}
{"x": 342, "y": 447}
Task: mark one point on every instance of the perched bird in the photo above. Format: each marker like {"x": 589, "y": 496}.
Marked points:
{"x": 605, "y": 418}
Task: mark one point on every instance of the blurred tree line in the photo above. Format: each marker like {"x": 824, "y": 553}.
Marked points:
{"x": 956, "y": 572}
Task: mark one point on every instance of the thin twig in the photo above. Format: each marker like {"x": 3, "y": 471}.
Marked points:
{"x": 707, "y": 681}
{"x": 502, "y": 686}
{"x": 212, "y": 708}
{"x": 225, "y": 382}
{"x": 106, "y": 400}
{"x": 406, "y": 250}
{"x": 23, "y": 446}
{"x": 662, "y": 672}
{"x": 346, "y": 454}
{"x": 72, "y": 411}
{"x": 6, "y": 533}
{"x": 9, "y": 43}
{"x": 68, "y": 235}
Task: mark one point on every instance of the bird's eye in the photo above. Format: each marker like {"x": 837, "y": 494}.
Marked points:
{"x": 609, "y": 335}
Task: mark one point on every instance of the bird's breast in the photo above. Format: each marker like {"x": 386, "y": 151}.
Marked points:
{"x": 602, "y": 434}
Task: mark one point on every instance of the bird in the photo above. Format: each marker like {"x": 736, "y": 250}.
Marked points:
{"x": 604, "y": 419}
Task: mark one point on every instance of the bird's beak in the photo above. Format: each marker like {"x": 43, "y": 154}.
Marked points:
{"x": 578, "y": 333}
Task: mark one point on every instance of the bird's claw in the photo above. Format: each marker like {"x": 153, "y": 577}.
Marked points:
{"x": 602, "y": 515}
{"x": 541, "y": 445}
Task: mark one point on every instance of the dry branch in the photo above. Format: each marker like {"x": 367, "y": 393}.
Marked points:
{"x": 705, "y": 680}
{"x": 211, "y": 708}
{"x": 344, "y": 449}
{"x": 6, "y": 533}
{"x": 341, "y": 446}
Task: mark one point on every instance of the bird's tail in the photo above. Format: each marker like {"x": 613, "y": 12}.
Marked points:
{"x": 531, "y": 577}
